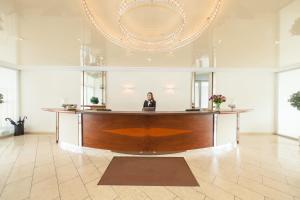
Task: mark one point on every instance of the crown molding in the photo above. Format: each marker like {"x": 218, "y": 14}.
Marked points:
{"x": 9, "y": 65}
{"x": 146, "y": 69}
{"x": 287, "y": 68}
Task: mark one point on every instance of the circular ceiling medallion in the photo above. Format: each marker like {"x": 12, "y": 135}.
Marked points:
{"x": 151, "y": 25}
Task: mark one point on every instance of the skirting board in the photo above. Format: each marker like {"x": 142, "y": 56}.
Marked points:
{"x": 71, "y": 147}
{"x": 6, "y": 135}
{"x": 257, "y": 133}
{"x": 288, "y": 137}
{"x": 39, "y": 133}
{"x": 79, "y": 149}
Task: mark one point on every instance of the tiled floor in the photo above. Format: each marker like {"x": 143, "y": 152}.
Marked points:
{"x": 261, "y": 167}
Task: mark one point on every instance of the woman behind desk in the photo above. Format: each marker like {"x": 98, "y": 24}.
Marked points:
{"x": 150, "y": 103}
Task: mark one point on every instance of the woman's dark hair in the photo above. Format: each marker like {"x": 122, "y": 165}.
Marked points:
{"x": 152, "y": 97}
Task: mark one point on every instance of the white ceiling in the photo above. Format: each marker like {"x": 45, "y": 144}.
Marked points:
{"x": 72, "y": 7}
{"x": 246, "y": 11}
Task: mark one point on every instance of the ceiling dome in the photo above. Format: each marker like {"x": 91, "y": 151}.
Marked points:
{"x": 151, "y": 25}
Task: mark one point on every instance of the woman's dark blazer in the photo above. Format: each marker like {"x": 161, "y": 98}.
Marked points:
{"x": 152, "y": 104}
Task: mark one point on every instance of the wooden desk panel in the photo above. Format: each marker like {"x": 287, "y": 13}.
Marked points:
{"x": 156, "y": 132}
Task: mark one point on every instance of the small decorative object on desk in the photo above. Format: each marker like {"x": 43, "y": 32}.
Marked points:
{"x": 69, "y": 106}
{"x": 232, "y": 106}
{"x": 217, "y": 100}
{"x": 295, "y": 100}
{"x": 1, "y": 98}
{"x": 94, "y": 100}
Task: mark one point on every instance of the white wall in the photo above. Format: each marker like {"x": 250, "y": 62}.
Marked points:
{"x": 44, "y": 89}
{"x": 246, "y": 42}
{"x": 127, "y": 90}
{"x": 253, "y": 90}
{"x": 288, "y": 116}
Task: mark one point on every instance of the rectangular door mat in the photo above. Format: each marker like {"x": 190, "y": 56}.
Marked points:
{"x": 148, "y": 171}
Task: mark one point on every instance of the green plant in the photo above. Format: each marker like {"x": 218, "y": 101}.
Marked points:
{"x": 295, "y": 100}
{"x": 1, "y": 98}
{"x": 94, "y": 100}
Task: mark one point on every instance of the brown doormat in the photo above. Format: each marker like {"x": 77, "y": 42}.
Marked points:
{"x": 148, "y": 171}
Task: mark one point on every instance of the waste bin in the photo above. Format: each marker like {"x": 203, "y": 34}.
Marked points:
{"x": 19, "y": 126}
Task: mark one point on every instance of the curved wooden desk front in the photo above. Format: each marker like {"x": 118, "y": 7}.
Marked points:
{"x": 137, "y": 132}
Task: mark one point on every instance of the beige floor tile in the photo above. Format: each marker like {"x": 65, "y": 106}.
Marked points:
{"x": 80, "y": 160}
{"x": 187, "y": 193}
{"x": 214, "y": 192}
{"x": 66, "y": 173}
{"x": 285, "y": 188}
{"x": 200, "y": 174}
{"x": 46, "y": 190}
{"x": 293, "y": 181}
{"x": 99, "y": 162}
{"x": 177, "y": 198}
{"x": 62, "y": 160}
{"x": 25, "y": 159}
{"x": 17, "y": 190}
{"x": 43, "y": 172}
{"x": 264, "y": 166}
{"x": 158, "y": 193}
{"x": 100, "y": 192}
{"x": 129, "y": 193}
{"x": 254, "y": 177}
{"x": 263, "y": 190}
{"x": 274, "y": 175}
{"x": 73, "y": 189}
{"x": 21, "y": 172}
{"x": 44, "y": 160}
{"x": 89, "y": 173}
{"x": 237, "y": 190}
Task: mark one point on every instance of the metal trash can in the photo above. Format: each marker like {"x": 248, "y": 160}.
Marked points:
{"x": 19, "y": 126}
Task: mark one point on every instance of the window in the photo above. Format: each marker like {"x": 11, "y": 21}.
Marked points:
{"x": 201, "y": 90}
{"x": 288, "y": 116}
{"x": 94, "y": 86}
{"x": 9, "y": 90}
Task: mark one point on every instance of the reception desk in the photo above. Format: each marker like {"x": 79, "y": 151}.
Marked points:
{"x": 148, "y": 132}
{"x": 145, "y": 132}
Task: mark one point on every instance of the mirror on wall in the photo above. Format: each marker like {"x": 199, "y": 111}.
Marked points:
{"x": 202, "y": 87}
{"x": 94, "y": 90}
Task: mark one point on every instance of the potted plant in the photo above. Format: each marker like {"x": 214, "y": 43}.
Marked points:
{"x": 94, "y": 100}
{"x": 295, "y": 100}
{"x": 217, "y": 100}
{"x": 1, "y": 98}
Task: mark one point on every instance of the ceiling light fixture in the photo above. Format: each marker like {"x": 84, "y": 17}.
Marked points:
{"x": 138, "y": 42}
{"x": 166, "y": 42}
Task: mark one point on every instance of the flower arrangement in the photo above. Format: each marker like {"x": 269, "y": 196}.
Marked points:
{"x": 295, "y": 100}
{"x": 217, "y": 100}
{"x": 1, "y": 98}
{"x": 94, "y": 100}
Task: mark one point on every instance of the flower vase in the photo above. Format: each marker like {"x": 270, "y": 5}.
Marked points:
{"x": 217, "y": 106}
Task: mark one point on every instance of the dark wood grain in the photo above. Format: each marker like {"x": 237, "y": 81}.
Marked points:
{"x": 135, "y": 132}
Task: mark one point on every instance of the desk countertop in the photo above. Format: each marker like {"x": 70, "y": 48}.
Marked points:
{"x": 61, "y": 110}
